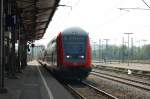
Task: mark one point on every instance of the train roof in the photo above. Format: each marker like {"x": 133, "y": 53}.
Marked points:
{"x": 74, "y": 30}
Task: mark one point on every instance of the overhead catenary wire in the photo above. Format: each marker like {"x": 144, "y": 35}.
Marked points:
{"x": 136, "y": 8}
{"x": 146, "y": 4}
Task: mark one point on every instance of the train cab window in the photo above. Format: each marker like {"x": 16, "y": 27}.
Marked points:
{"x": 77, "y": 44}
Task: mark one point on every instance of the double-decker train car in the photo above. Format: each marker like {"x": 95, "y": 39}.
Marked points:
{"x": 70, "y": 53}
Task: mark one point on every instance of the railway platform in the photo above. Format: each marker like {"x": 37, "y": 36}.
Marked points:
{"x": 132, "y": 66}
{"x": 34, "y": 83}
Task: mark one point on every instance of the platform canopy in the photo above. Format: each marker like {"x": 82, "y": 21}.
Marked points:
{"x": 36, "y": 15}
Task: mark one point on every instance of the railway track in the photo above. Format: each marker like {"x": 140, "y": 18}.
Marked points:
{"x": 139, "y": 73}
{"x": 135, "y": 83}
{"x": 85, "y": 90}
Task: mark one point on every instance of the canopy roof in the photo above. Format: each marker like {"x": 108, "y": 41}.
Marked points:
{"x": 36, "y": 15}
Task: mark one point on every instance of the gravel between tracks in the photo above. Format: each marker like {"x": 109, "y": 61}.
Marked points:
{"x": 89, "y": 93}
{"x": 133, "y": 77}
{"x": 119, "y": 90}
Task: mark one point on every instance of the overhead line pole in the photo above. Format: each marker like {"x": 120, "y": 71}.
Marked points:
{"x": 128, "y": 46}
{"x": 106, "y": 50}
{"x": 123, "y": 50}
{"x": 100, "y": 50}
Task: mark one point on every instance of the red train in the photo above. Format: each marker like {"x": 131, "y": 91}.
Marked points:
{"x": 70, "y": 53}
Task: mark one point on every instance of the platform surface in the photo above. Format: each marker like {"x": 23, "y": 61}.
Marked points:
{"x": 135, "y": 66}
{"x": 35, "y": 83}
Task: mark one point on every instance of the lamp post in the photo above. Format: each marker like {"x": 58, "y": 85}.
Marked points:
{"x": 128, "y": 45}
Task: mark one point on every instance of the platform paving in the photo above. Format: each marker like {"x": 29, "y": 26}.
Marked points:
{"x": 35, "y": 83}
{"x": 134, "y": 66}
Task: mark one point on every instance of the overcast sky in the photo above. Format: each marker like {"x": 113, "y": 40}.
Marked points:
{"x": 102, "y": 19}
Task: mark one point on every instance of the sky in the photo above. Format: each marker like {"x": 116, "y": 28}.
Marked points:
{"x": 103, "y": 19}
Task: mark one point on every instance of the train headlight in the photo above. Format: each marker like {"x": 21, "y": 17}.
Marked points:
{"x": 68, "y": 56}
{"x": 82, "y": 56}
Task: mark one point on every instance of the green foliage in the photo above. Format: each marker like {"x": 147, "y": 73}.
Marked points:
{"x": 122, "y": 53}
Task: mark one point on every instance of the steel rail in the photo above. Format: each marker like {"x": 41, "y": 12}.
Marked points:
{"x": 132, "y": 80}
{"x": 100, "y": 91}
{"x": 123, "y": 70}
{"x": 120, "y": 81}
{"x": 76, "y": 92}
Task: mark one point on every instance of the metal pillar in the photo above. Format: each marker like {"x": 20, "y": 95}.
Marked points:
{"x": 24, "y": 59}
{"x": 12, "y": 29}
{"x": 19, "y": 67}
{"x": 23, "y": 55}
{"x": 13, "y": 56}
{"x": 2, "y": 89}
{"x": 32, "y": 53}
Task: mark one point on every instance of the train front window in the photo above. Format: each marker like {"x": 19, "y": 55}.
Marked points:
{"x": 74, "y": 47}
